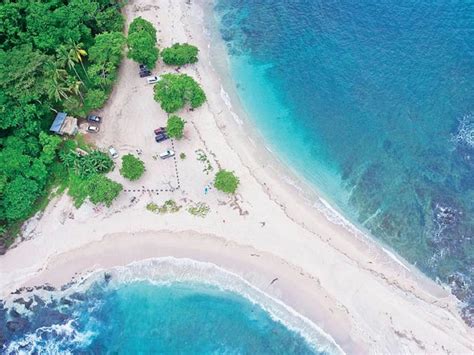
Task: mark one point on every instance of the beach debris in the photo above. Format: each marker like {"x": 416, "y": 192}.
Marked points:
{"x": 274, "y": 280}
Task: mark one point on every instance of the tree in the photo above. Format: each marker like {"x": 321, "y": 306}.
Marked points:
{"x": 142, "y": 49}
{"x": 107, "y": 48}
{"x": 175, "y": 127}
{"x": 94, "y": 99}
{"x": 180, "y": 54}
{"x": 142, "y": 42}
{"x": 103, "y": 190}
{"x": 226, "y": 181}
{"x": 173, "y": 91}
{"x": 132, "y": 167}
{"x": 139, "y": 24}
{"x": 19, "y": 197}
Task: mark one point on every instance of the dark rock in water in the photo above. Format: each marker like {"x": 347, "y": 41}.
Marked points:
{"x": 25, "y": 303}
{"x": 459, "y": 286}
{"x": 77, "y": 296}
{"x": 66, "y": 302}
{"x": 17, "y": 324}
{"x": 17, "y": 292}
{"x": 66, "y": 286}
{"x": 50, "y": 316}
{"x": 49, "y": 288}
{"x": 467, "y": 314}
{"x": 107, "y": 277}
{"x": 14, "y": 313}
{"x": 39, "y": 302}
{"x": 29, "y": 289}
{"x": 2, "y": 339}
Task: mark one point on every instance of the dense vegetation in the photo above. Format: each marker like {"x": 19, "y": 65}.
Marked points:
{"x": 175, "y": 127}
{"x": 142, "y": 42}
{"x": 132, "y": 167}
{"x": 173, "y": 91}
{"x": 226, "y": 181}
{"x": 180, "y": 54}
{"x": 54, "y": 55}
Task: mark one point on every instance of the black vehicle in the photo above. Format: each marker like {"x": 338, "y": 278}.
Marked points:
{"x": 144, "y": 71}
{"x": 161, "y": 137}
{"x": 94, "y": 118}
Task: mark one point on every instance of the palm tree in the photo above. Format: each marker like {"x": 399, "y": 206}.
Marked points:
{"x": 75, "y": 87}
{"x": 77, "y": 53}
{"x": 66, "y": 59}
{"x": 57, "y": 90}
{"x": 56, "y": 83}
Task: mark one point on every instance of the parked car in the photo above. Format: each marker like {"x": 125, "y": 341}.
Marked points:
{"x": 93, "y": 128}
{"x": 113, "y": 152}
{"x": 94, "y": 118}
{"x": 167, "y": 154}
{"x": 161, "y": 137}
{"x": 144, "y": 71}
{"x": 160, "y": 130}
{"x": 153, "y": 79}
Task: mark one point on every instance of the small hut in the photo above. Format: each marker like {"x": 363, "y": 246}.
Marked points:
{"x": 64, "y": 124}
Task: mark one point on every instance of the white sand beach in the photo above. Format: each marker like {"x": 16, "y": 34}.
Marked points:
{"x": 344, "y": 282}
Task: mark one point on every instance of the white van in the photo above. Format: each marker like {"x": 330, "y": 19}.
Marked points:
{"x": 152, "y": 79}
{"x": 113, "y": 153}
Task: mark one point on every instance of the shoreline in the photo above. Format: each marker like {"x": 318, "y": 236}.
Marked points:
{"x": 403, "y": 308}
{"x": 293, "y": 288}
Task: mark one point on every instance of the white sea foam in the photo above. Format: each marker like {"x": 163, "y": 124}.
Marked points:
{"x": 169, "y": 270}
{"x": 63, "y": 336}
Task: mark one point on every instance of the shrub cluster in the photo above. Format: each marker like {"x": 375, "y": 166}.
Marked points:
{"x": 226, "y": 181}
{"x": 175, "y": 127}
{"x": 180, "y": 54}
{"x": 174, "y": 91}
{"x": 132, "y": 167}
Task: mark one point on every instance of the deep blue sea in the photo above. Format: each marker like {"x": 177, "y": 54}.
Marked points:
{"x": 373, "y": 103}
{"x": 158, "y": 306}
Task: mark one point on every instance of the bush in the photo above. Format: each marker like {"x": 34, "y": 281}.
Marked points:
{"x": 96, "y": 162}
{"x": 226, "y": 181}
{"x": 175, "y": 127}
{"x": 103, "y": 190}
{"x": 132, "y": 167}
{"x": 182, "y": 156}
{"x": 98, "y": 188}
{"x": 173, "y": 91}
{"x": 180, "y": 54}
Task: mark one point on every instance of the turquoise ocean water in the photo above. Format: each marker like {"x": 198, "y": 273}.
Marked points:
{"x": 373, "y": 103}
{"x": 157, "y": 306}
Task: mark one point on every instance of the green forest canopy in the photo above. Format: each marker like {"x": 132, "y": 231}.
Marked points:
{"x": 54, "y": 56}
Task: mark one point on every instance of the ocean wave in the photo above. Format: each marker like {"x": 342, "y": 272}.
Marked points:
{"x": 54, "y": 339}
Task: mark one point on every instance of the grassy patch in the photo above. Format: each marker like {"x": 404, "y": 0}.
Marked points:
{"x": 202, "y": 157}
{"x": 170, "y": 206}
{"x": 198, "y": 209}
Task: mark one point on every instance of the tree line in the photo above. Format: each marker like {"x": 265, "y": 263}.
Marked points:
{"x": 55, "y": 55}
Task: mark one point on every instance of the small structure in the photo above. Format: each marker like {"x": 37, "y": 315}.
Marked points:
{"x": 64, "y": 124}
